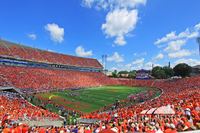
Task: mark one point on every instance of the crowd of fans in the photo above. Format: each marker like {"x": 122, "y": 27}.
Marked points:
{"x": 40, "y": 79}
{"x": 182, "y": 95}
{"x": 23, "y": 52}
{"x": 47, "y": 79}
{"x": 16, "y": 108}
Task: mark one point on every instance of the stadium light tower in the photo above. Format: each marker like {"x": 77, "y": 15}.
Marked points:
{"x": 198, "y": 41}
{"x": 152, "y": 66}
{"x": 104, "y": 60}
{"x": 169, "y": 64}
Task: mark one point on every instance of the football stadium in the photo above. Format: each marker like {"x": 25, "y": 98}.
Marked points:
{"x": 61, "y": 92}
{"x": 45, "y": 89}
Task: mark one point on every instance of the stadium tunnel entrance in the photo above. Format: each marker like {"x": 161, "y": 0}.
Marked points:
{"x": 10, "y": 89}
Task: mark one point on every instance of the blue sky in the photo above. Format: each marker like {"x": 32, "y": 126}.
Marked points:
{"x": 133, "y": 33}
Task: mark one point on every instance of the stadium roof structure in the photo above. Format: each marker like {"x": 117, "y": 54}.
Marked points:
{"x": 18, "y": 51}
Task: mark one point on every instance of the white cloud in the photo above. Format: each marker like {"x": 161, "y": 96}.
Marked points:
{"x": 32, "y": 36}
{"x": 114, "y": 68}
{"x": 88, "y": 3}
{"x": 113, "y": 4}
{"x": 121, "y": 19}
{"x": 120, "y": 41}
{"x": 140, "y": 64}
{"x": 101, "y": 4}
{"x": 56, "y": 32}
{"x": 191, "y": 62}
{"x": 138, "y": 61}
{"x": 189, "y": 33}
{"x": 122, "y": 67}
{"x": 135, "y": 65}
{"x": 193, "y": 35}
{"x": 148, "y": 65}
{"x": 175, "y": 45}
{"x": 119, "y": 23}
{"x": 174, "y": 42}
{"x": 128, "y": 66}
{"x": 159, "y": 56}
{"x": 80, "y": 51}
{"x": 180, "y": 54}
{"x": 116, "y": 57}
{"x": 132, "y": 3}
{"x": 168, "y": 37}
{"x": 197, "y": 26}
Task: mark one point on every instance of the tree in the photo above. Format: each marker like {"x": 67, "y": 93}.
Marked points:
{"x": 158, "y": 72}
{"x": 182, "y": 70}
{"x": 168, "y": 71}
{"x": 121, "y": 73}
{"x": 161, "y": 74}
{"x": 114, "y": 74}
{"x": 132, "y": 74}
{"x": 154, "y": 71}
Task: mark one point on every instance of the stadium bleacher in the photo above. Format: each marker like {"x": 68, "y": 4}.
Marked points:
{"x": 8, "y": 49}
{"x": 182, "y": 95}
{"x": 39, "y": 79}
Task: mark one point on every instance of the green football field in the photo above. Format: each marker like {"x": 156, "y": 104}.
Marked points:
{"x": 90, "y": 99}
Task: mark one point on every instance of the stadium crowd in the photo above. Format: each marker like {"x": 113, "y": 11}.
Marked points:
{"x": 58, "y": 79}
{"x": 9, "y": 49}
{"x": 50, "y": 79}
{"x": 183, "y": 96}
{"x": 14, "y": 107}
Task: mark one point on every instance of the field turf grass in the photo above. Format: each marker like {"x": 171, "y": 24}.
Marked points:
{"x": 90, "y": 99}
